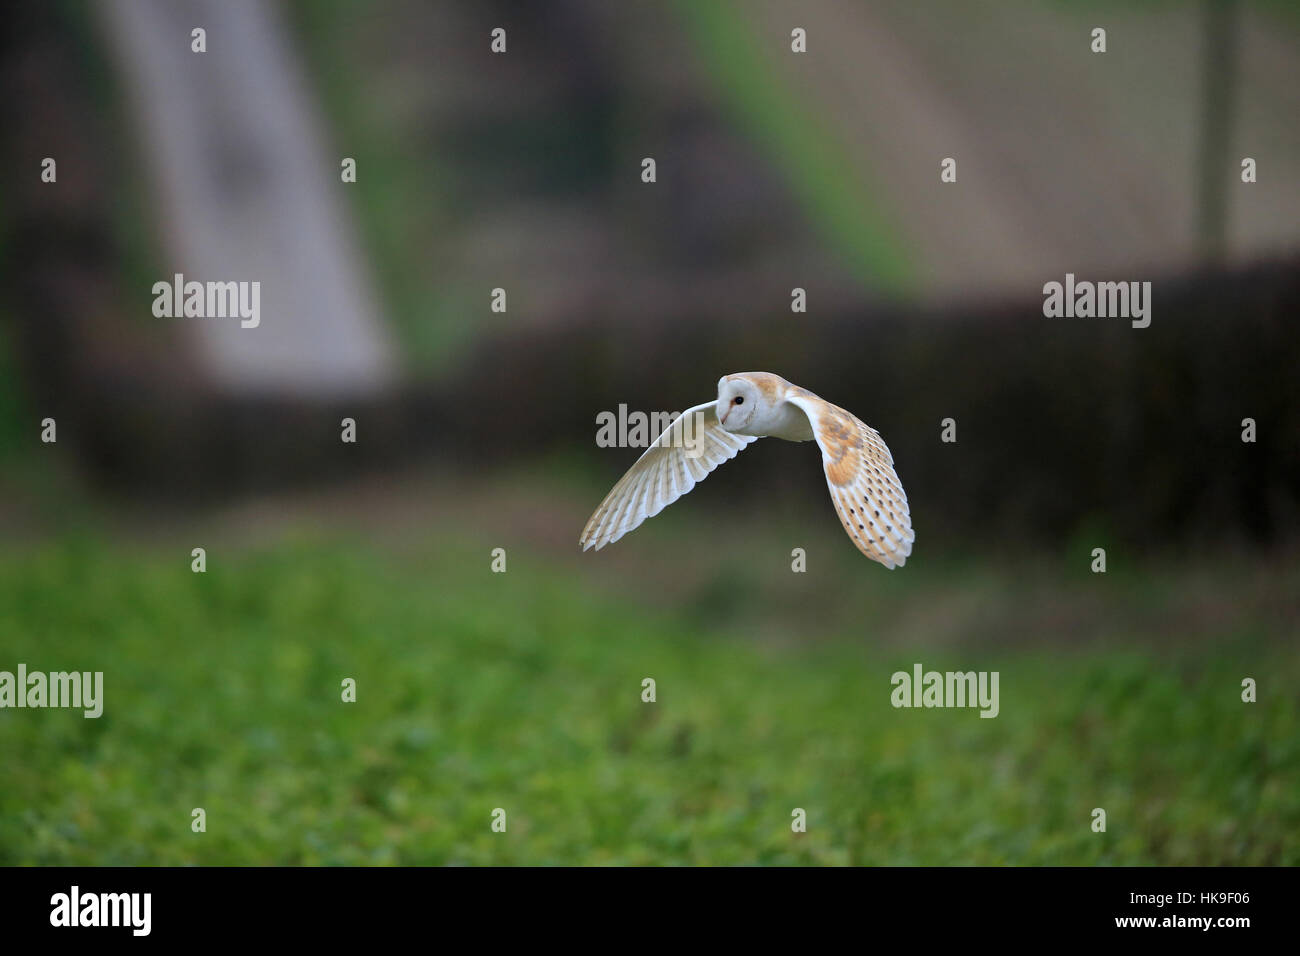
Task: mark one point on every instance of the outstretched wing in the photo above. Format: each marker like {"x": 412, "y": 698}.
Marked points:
{"x": 864, "y": 487}
{"x": 684, "y": 454}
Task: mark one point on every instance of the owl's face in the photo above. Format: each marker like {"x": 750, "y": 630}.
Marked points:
{"x": 739, "y": 400}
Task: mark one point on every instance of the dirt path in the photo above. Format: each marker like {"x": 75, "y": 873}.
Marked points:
{"x": 249, "y": 191}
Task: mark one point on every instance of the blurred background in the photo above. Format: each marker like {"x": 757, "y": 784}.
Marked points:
{"x": 522, "y": 171}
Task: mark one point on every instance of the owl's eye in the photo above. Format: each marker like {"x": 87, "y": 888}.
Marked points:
{"x": 740, "y": 399}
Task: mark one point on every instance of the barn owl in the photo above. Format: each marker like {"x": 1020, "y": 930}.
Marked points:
{"x": 864, "y": 488}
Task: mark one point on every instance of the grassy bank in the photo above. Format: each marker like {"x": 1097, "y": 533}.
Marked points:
{"x": 522, "y": 691}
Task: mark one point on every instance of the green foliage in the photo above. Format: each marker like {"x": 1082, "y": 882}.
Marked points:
{"x": 400, "y": 201}
{"x": 522, "y": 691}
{"x": 820, "y": 173}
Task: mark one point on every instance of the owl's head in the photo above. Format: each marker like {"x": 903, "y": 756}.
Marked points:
{"x": 739, "y": 400}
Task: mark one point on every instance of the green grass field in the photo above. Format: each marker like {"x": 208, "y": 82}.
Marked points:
{"x": 522, "y": 691}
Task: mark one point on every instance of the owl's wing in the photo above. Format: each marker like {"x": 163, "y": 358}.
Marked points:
{"x": 683, "y": 455}
{"x": 864, "y": 487}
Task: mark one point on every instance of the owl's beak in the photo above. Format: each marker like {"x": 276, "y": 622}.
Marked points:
{"x": 725, "y": 414}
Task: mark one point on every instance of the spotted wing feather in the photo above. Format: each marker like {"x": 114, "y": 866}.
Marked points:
{"x": 677, "y": 460}
{"x": 864, "y": 487}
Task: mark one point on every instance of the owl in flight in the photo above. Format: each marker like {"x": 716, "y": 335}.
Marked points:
{"x": 865, "y": 490}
